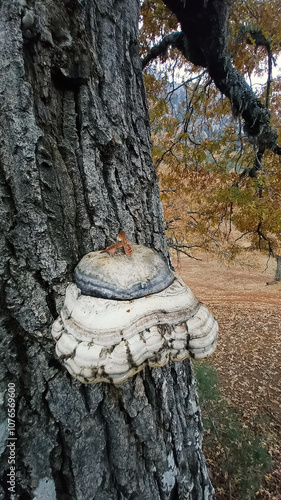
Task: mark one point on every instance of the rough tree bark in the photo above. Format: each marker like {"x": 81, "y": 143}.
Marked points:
{"x": 75, "y": 169}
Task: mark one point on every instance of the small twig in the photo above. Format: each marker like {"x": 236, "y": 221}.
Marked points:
{"x": 179, "y": 248}
{"x": 244, "y": 234}
{"x": 193, "y": 142}
{"x": 185, "y": 83}
{"x": 267, "y": 262}
{"x": 169, "y": 150}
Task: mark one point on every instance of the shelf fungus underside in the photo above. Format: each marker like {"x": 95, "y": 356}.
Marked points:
{"x": 109, "y": 340}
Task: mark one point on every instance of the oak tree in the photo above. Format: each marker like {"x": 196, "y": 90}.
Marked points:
{"x": 76, "y": 168}
{"x": 208, "y": 154}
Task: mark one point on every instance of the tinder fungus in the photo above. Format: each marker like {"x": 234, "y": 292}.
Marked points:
{"x": 126, "y": 311}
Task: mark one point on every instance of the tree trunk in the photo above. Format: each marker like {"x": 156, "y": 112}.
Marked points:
{"x": 76, "y": 168}
{"x": 278, "y": 268}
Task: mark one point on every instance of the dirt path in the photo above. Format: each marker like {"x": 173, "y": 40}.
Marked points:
{"x": 215, "y": 282}
{"x": 248, "y": 356}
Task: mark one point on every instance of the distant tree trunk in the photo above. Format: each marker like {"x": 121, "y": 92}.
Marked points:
{"x": 76, "y": 168}
{"x": 278, "y": 269}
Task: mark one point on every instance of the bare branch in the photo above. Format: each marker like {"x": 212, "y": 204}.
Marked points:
{"x": 176, "y": 40}
{"x": 180, "y": 248}
{"x": 186, "y": 82}
{"x": 254, "y": 36}
{"x": 269, "y": 75}
{"x": 169, "y": 150}
{"x": 244, "y": 234}
{"x": 265, "y": 238}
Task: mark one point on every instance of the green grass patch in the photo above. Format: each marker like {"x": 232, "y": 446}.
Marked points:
{"x": 233, "y": 447}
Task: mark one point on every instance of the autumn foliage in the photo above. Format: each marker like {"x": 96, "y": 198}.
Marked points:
{"x": 218, "y": 193}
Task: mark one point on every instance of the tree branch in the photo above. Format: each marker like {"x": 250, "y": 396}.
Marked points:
{"x": 205, "y": 26}
{"x": 254, "y": 36}
{"x": 176, "y": 40}
{"x": 180, "y": 248}
{"x": 265, "y": 238}
{"x": 269, "y": 75}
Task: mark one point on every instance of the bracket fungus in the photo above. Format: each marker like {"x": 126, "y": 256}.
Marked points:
{"x": 126, "y": 310}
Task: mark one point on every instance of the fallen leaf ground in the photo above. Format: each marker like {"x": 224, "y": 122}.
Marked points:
{"x": 248, "y": 356}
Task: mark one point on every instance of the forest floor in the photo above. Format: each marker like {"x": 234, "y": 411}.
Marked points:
{"x": 248, "y": 355}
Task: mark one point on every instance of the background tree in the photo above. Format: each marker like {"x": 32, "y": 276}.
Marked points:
{"x": 76, "y": 168}
{"x": 223, "y": 172}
